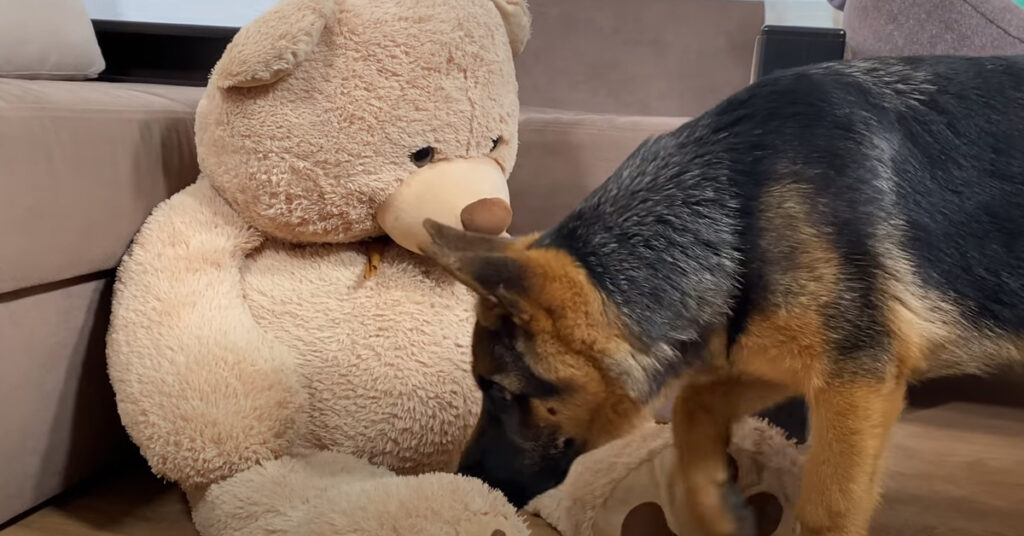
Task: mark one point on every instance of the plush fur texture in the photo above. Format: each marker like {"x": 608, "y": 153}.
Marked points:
{"x": 247, "y": 346}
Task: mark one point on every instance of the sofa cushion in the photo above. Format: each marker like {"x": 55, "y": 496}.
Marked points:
{"x": 640, "y": 57}
{"x": 48, "y": 39}
{"x": 565, "y": 155}
{"x": 912, "y": 27}
{"x": 59, "y": 420}
{"x": 83, "y": 163}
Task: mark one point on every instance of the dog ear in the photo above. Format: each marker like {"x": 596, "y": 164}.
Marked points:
{"x": 484, "y": 263}
{"x": 272, "y": 45}
{"x": 448, "y": 238}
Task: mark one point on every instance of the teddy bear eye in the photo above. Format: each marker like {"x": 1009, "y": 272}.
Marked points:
{"x": 495, "y": 142}
{"x": 422, "y": 156}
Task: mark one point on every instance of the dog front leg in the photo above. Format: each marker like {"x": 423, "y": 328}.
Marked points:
{"x": 705, "y": 410}
{"x": 850, "y": 427}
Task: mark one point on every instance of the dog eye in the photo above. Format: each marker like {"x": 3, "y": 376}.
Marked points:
{"x": 422, "y": 156}
{"x": 496, "y": 142}
{"x": 496, "y": 390}
{"x": 500, "y": 392}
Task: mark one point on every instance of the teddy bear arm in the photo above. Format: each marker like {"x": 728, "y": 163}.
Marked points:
{"x": 200, "y": 388}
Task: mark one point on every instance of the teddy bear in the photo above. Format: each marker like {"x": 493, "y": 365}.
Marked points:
{"x": 278, "y": 347}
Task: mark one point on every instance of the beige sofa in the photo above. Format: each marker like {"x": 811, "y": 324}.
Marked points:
{"x": 83, "y": 163}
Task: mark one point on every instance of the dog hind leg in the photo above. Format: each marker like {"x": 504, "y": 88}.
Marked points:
{"x": 850, "y": 426}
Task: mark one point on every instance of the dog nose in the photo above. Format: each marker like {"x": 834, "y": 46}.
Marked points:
{"x": 488, "y": 216}
{"x": 470, "y": 469}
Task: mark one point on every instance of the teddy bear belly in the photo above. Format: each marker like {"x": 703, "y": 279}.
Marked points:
{"x": 386, "y": 360}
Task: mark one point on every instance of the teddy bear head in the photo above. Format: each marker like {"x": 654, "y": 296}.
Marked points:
{"x": 338, "y": 120}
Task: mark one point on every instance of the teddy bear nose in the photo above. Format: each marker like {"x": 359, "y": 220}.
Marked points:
{"x": 488, "y": 216}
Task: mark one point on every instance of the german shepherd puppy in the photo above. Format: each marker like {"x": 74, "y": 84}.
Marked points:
{"x": 833, "y": 232}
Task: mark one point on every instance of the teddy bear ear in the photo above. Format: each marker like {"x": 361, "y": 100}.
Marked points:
{"x": 516, "y": 15}
{"x": 272, "y": 45}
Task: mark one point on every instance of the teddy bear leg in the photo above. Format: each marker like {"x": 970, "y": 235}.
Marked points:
{"x": 320, "y": 493}
{"x": 704, "y": 414}
{"x": 272, "y": 498}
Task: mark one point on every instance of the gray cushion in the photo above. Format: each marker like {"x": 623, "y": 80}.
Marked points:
{"x": 565, "y": 155}
{"x": 913, "y": 27}
{"x": 48, "y": 39}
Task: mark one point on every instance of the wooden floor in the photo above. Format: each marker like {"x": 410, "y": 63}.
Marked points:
{"x": 957, "y": 469}
{"x": 133, "y": 503}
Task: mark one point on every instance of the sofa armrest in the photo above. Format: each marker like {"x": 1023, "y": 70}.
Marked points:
{"x": 784, "y": 47}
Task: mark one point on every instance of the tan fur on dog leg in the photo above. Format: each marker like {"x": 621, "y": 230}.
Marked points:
{"x": 705, "y": 411}
{"x": 850, "y": 428}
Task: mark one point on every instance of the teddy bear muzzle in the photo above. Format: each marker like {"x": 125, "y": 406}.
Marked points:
{"x": 466, "y": 193}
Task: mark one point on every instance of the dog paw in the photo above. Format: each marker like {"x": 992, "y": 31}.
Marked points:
{"x": 719, "y": 510}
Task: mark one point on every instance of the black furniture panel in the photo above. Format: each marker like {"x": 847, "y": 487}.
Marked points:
{"x": 147, "y": 52}
{"x": 786, "y": 47}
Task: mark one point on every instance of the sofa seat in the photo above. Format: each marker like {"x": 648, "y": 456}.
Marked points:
{"x": 81, "y": 165}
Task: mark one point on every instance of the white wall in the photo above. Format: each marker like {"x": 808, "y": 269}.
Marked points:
{"x": 801, "y": 13}
{"x": 211, "y": 12}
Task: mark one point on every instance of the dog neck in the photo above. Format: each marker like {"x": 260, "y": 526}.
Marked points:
{"x": 660, "y": 239}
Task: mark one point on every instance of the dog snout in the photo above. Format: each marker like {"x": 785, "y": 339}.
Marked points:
{"x": 492, "y": 457}
{"x": 472, "y": 468}
{"x": 520, "y": 473}
{"x": 491, "y": 216}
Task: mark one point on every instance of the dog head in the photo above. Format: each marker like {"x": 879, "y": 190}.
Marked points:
{"x": 550, "y": 354}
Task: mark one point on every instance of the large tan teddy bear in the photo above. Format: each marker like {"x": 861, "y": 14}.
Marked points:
{"x": 270, "y": 353}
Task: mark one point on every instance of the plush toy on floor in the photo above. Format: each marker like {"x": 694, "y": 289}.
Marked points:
{"x": 626, "y": 488}
{"x": 270, "y": 354}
